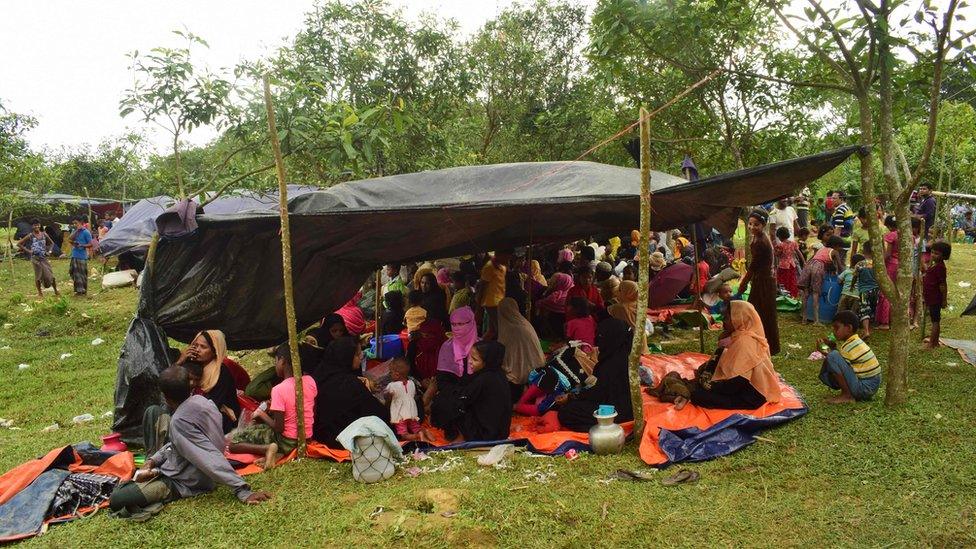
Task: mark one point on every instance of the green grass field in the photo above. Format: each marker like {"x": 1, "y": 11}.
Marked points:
{"x": 857, "y": 475}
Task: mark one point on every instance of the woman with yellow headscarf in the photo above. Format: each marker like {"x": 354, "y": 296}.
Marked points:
{"x": 205, "y": 362}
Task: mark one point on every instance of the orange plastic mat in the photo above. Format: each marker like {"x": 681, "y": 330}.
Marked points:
{"x": 662, "y": 415}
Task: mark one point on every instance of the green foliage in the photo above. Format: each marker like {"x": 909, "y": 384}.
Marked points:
{"x": 16, "y": 298}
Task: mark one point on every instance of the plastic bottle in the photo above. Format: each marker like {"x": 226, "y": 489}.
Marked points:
{"x": 83, "y": 418}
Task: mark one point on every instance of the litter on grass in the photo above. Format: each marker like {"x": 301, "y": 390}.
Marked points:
{"x": 5, "y": 348}
{"x": 7, "y": 325}
{"x": 794, "y": 345}
{"x": 108, "y": 414}
{"x": 66, "y": 355}
{"x": 816, "y": 355}
{"x": 6, "y": 423}
{"x": 963, "y": 284}
{"x": 23, "y": 366}
{"x": 83, "y": 418}
{"x": 541, "y": 474}
{"x": 51, "y": 428}
{"x": 97, "y": 341}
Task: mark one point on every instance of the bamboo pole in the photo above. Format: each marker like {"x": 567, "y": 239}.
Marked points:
{"x": 10, "y": 244}
{"x": 296, "y": 365}
{"x": 917, "y": 279}
{"x": 697, "y": 277}
{"x": 377, "y": 315}
{"x": 643, "y": 258}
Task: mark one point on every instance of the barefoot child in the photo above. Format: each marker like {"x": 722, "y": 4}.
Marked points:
{"x": 37, "y": 245}
{"x": 850, "y": 365}
{"x": 786, "y": 251}
{"x": 278, "y": 432}
{"x": 867, "y": 288}
{"x": 850, "y": 298}
{"x": 934, "y": 290}
{"x": 402, "y": 394}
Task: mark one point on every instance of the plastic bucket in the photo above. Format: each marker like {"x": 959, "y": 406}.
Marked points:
{"x": 392, "y": 346}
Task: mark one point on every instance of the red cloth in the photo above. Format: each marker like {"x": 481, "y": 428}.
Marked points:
{"x": 787, "y": 279}
{"x": 703, "y": 275}
{"x": 591, "y": 293}
{"x": 429, "y": 339}
{"x": 240, "y": 375}
{"x": 581, "y": 329}
{"x": 353, "y": 317}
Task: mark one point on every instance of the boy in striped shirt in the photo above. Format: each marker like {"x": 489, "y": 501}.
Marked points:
{"x": 850, "y": 366}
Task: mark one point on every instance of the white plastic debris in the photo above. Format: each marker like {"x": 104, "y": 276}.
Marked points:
{"x": 5, "y": 348}
{"x": 50, "y": 428}
{"x": 963, "y": 284}
{"x": 83, "y": 418}
{"x": 794, "y": 345}
{"x": 66, "y": 355}
{"x": 107, "y": 414}
{"x": 497, "y": 455}
{"x": 97, "y": 341}
{"x": 23, "y": 366}
{"x": 938, "y": 416}
{"x": 7, "y": 325}
{"x": 952, "y": 364}
{"x": 6, "y": 423}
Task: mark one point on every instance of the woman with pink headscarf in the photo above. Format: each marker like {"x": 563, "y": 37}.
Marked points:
{"x": 352, "y": 316}
{"x": 551, "y": 309}
{"x": 443, "y": 396}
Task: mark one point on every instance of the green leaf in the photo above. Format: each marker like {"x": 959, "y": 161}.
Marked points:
{"x": 350, "y": 120}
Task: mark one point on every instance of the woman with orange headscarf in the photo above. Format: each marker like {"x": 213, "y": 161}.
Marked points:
{"x": 744, "y": 377}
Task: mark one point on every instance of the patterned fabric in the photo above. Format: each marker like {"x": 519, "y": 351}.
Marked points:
{"x": 78, "y": 271}
{"x": 861, "y": 357}
{"x": 81, "y": 491}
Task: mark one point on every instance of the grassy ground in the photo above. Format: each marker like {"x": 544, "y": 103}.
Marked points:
{"x": 857, "y": 475}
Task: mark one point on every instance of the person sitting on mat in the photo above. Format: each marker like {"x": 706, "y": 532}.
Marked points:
{"x": 277, "y": 432}
{"x": 850, "y": 365}
{"x": 192, "y": 462}
{"x": 343, "y": 396}
{"x": 744, "y": 378}
{"x": 487, "y": 398}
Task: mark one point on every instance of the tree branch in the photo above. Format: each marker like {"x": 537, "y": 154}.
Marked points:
{"x": 934, "y": 97}
{"x": 839, "y": 40}
{"x": 227, "y": 185}
{"x": 813, "y": 47}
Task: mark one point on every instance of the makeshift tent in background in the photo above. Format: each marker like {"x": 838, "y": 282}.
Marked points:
{"x": 227, "y": 274}
{"x": 135, "y": 230}
{"x": 60, "y": 208}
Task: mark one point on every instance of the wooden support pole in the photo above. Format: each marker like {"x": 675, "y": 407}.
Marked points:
{"x": 378, "y": 315}
{"x": 917, "y": 279}
{"x": 296, "y": 364}
{"x": 643, "y": 258}
{"x": 696, "y": 277}
{"x": 10, "y": 244}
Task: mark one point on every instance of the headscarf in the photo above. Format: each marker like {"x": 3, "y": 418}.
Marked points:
{"x": 614, "y": 246}
{"x": 747, "y": 354}
{"x": 523, "y": 351}
{"x": 336, "y": 358}
{"x": 493, "y": 354}
{"x": 566, "y": 254}
{"x": 392, "y": 321}
{"x": 436, "y": 299}
{"x": 211, "y": 370}
{"x": 444, "y": 276}
{"x": 536, "y": 273}
{"x": 464, "y": 334}
{"x": 322, "y": 335}
{"x": 352, "y": 317}
{"x": 424, "y": 269}
{"x": 634, "y": 238}
{"x": 556, "y": 300}
{"x": 626, "y": 306}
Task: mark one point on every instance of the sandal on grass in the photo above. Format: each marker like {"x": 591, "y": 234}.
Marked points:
{"x": 684, "y": 476}
{"x": 624, "y": 474}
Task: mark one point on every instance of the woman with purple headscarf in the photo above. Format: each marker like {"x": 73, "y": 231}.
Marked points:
{"x": 444, "y": 395}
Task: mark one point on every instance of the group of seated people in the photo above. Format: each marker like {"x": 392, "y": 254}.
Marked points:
{"x": 473, "y": 358}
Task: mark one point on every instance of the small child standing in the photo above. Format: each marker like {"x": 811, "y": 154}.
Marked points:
{"x": 801, "y": 242}
{"x": 402, "y": 394}
{"x": 581, "y": 327}
{"x": 850, "y": 365}
{"x": 415, "y": 315}
{"x": 867, "y": 288}
{"x": 278, "y": 432}
{"x": 935, "y": 291}
{"x": 786, "y": 251}
{"x": 850, "y": 298}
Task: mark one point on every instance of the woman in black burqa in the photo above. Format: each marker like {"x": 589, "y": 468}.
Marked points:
{"x": 612, "y": 382}
{"x": 487, "y": 396}
{"x": 342, "y": 397}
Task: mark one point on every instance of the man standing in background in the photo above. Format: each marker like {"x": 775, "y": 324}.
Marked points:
{"x": 926, "y": 208}
{"x": 802, "y": 203}
{"x": 81, "y": 242}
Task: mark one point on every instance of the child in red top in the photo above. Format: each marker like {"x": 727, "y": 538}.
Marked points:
{"x": 935, "y": 292}
{"x": 585, "y": 288}
{"x": 786, "y": 250}
{"x": 581, "y": 327}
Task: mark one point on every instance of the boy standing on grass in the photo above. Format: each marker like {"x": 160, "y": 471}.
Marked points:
{"x": 867, "y": 288}
{"x": 81, "y": 242}
{"x": 850, "y": 365}
{"x": 935, "y": 292}
{"x": 277, "y": 432}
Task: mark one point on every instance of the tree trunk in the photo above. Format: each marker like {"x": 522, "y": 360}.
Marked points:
{"x": 643, "y": 258}
{"x": 296, "y": 365}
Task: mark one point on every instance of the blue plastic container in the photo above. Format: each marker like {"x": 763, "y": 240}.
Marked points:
{"x": 829, "y": 299}
{"x": 392, "y": 346}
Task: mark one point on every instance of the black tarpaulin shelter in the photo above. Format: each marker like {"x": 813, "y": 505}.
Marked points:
{"x": 227, "y": 274}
